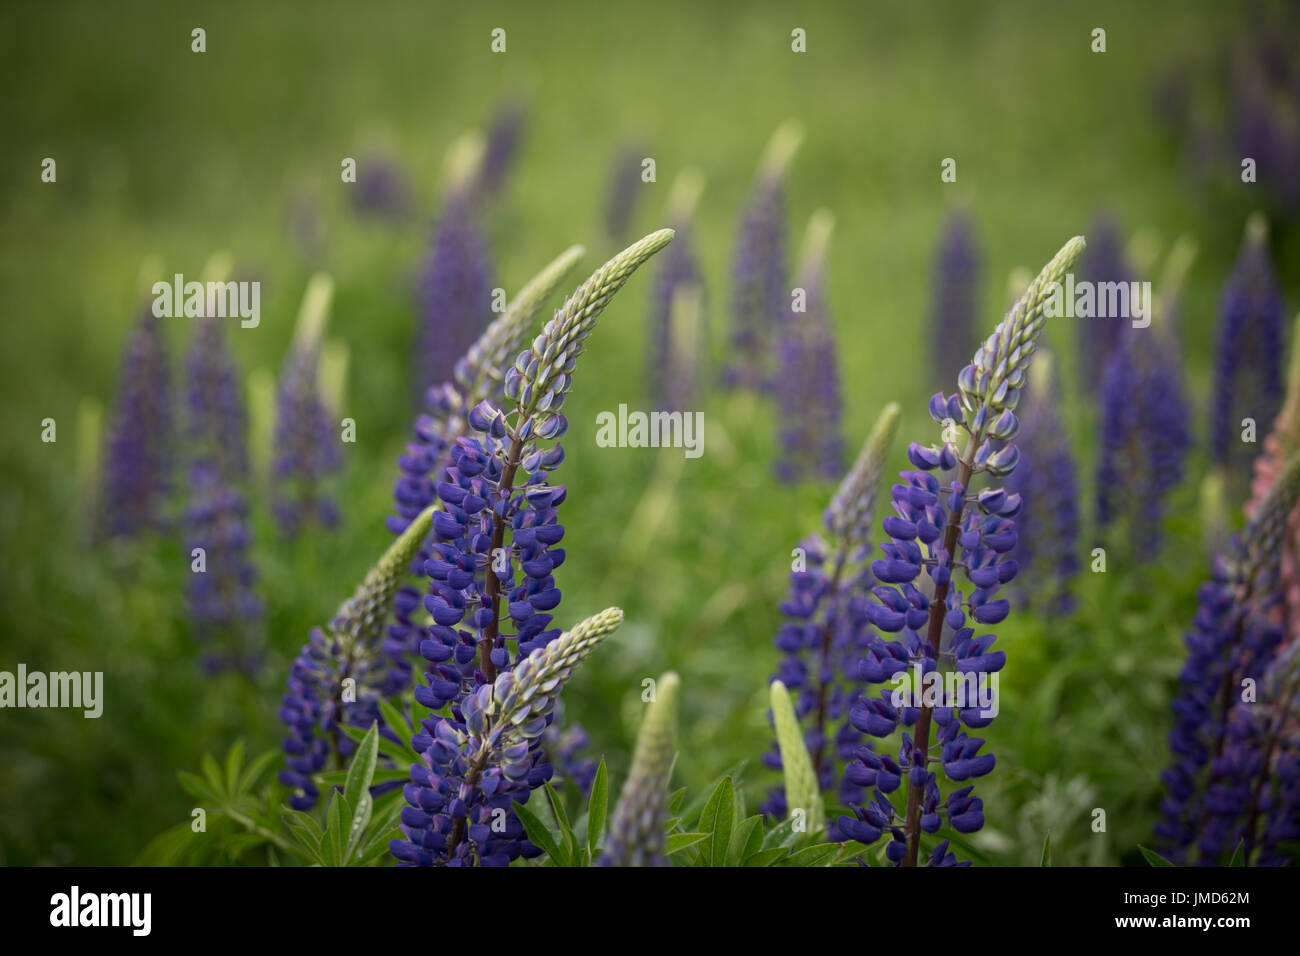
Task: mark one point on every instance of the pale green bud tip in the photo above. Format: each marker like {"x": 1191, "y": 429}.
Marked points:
{"x": 801, "y": 790}
{"x": 314, "y": 310}
{"x": 781, "y": 149}
{"x": 816, "y": 241}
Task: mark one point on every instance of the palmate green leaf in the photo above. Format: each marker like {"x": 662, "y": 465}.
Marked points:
{"x": 562, "y": 820}
{"x": 234, "y": 760}
{"x": 680, "y": 841}
{"x": 597, "y": 807}
{"x": 675, "y": 802}
{"x": 215, "y": 778}
{"x": 718, "y": 818}
{"x": 357, "y": 827}
{"x": 819, "y": 854}
{"x": 539, "y": 834}
{"x": 746, "y": 840}
{"x": 253, "y": 772}
{"x": 337, "y": 778}
{"x": 197, "y": 787}
{"x": 1153, "y": 858}
{"x": 692, "y": 811}
{"x": 766, "y": 857}
{"x": 395, "y": 721}
{"x": 332, "y": 844}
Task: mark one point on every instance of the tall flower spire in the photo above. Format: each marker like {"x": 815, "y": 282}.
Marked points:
{"x": 966, "y": 535}
{"x": 1248, "y": 352}
{"x": 809, "y": 439}
{"x": 138, "y": 454}
{"x": 454, "y": 286}
{"x": 1048, "y": 524}
{"x": 678, "y": 339}
{"x": 306, "y": 446}
{"x": 759, "y": 270}
{"x": 826, "y": 631}
{"x": 958, "y": 268}
{"x": 1099, "y": 337}
{"x": 493, "y": 524}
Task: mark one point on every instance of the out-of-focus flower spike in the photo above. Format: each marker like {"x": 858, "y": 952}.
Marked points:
{"x": 802, "y": 794}
{"x": 853, "y": 507}
{"x": 957, "y": 271}
{"x": 1216, "y": 529}
{"x": 678, "y": 336}
{"x": 636, "y": 828}
{"x": 335, "y": 357}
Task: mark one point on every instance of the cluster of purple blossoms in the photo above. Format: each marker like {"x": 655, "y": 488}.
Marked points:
{"x": 826, "y": 631}
{"x": 503, "y": 136}
{"x": 1248, "y": 352}
{"x": 1099, "y": 337}
{"x": 1234, "y": 754}
{"x": 958, "y": 266}
{"x": 624, "y": 188}
{"x": 307, "y": 450}
{"x": 491, "y": 560}
{"x": 1047, "y": 527}
{"x": 1145, "y": 434}
{"x": 382, "y": 191}
{"x": 951, "y": 533}
{"x": 138, "y": 450}
{"x": 454, "y": 287}
{"x": 226, "y": 610}
{"x": 677, "y": 335}
{"x": 807, "y": 384}
{"x": 1264, "y": 91}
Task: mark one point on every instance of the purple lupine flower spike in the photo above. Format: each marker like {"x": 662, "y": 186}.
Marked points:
{"x": 1248, "y": 353}
{"x": 826, "y": 631}
{"x": 1231, "y": 646}
{"x": 1048, "y": 524}
{"x": 491, "y": 571}
{"x": 306, "y": 447}
{"x": 454, "y": 285}
{"x": 759, "y": 292}
{"x": 320, "y": 700}
{"x": 1099, "y": 337}
{"x": 958, "y": 267}
{"x": 1145, "y": 430}
{"x": 678, "y": 337}
{"x": 807, "y": 385}
{"x": 624, "y": 189}
{"x": 138, "y": 462}
{"x": 503, "y": 136}
{"x": 961, "y": 538}
{"x": 381, "y": 190}
{"x": 224, "y": 606}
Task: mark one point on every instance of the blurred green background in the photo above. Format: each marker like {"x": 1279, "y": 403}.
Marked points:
{"x": 169, "y": 153}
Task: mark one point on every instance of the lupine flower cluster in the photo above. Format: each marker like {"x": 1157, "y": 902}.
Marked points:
{"x": 624, "y": 188}
{"x": 677, "y": 335}
{"x": 503, "y": 136}
{"x": 454, "y": 285}
{"x": 341, "y": 674}
{"x": 1099, "y": 337}
{"x": 966, "y": 535}
{"x": 1223, "y": 778}
{"x": 1144, "y": 432}
{"x": 809, "y": 440}
{"x": 478, "y": 377}
{"x": 636, "y": 828}
{"x": 958, "y": 266}
{"x": 306, "y": 447}
{"x": 491, "y": 526}
{"x": 759, "y": 271}
{"x": 225, "y": 608}
{"x": 1047, "y": 527}
{"x": 826, "y": 631}
{"x": 138, "y": 450}
{"x": 1248, "y": 351}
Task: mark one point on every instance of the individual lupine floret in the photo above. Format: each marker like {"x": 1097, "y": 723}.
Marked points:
{"x": 1248, "y": 353}
{"x": 306, "y": 449}
{"x": 1099, "y": 336}
{"x": 958, "y": 268}
{"x": 138, "y": 453}
{"x": 759, "y": 269}
{"x": 802, "y": 793}
{"x": 826, "y": 633}
{"x": 1145, "y": 431}
{"x": 807, "y": 385}
{"x": 955, "y": 535}
{"x": 454, "y": 285}
{"x": 1047, "y": 528}
{"x": 224, "y": 606}
{"x": 493, "y": 526}
{"x": 678, "y": 338}
{"x": 320, "y": 700}
{"x": 636, "y": 829}
{"x": 481, "y": 760}
{"x": 478, "y": 376}
{"x": 1233, "y": 640}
